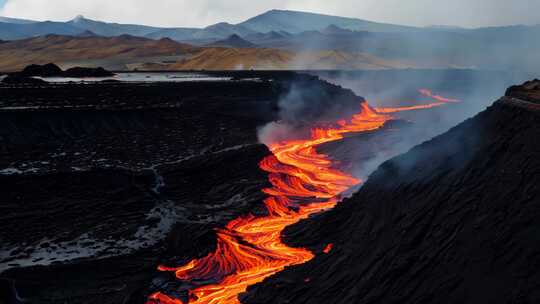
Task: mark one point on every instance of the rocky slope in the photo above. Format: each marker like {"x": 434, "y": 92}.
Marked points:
{"x": 454, "y": 220}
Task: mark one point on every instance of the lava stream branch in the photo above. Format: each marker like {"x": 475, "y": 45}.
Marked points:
{"x": 304, "y": 182}
{"x": 440, "y": 101}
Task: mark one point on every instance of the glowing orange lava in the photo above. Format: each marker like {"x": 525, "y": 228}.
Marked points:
{"x": 430, "y": 94}
{"x": 328, "y": 248}
{"x": 250, "y": 249}
{"x": 425, "y": 92}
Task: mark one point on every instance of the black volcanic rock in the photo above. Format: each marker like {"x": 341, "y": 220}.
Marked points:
{"x": 18, "y": 79}
{"x": 454, "y": 220}
{"x": 47, "y": 70}
{"x": 530, "y": 91}
{"x": 80, "y": 72}
{"x": 52, "y": 70}
{"x": 8, "y": 294}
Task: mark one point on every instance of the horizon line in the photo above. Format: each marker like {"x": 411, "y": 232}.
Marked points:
{"x": 268, "y": 11}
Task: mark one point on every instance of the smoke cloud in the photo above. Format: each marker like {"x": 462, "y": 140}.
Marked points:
{"x": 476, "y": 90}
{"x": 308, "y": 102}
{"x": 361, "y": 155}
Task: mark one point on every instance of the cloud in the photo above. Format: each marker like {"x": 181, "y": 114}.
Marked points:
{"x": 206, "y": 12}
{"x": 156, "y": 12}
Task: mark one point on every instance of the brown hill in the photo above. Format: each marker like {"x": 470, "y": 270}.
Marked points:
{"x": 128, "y": 53}
{"x": 17, "y": 54}
{"x": 264, "y": 59}
{"x": 235, "y": 59}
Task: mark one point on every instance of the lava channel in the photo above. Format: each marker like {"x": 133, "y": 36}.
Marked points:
{"x": 304, "y": 182}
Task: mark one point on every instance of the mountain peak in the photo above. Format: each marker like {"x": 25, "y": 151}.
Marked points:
{"x": 235, "y": 41}
{"x": 293, "y": 13}
{"x": 297, "y": 22}
{"x": 234, "y": 36}
{"x": 282, "y": 11}
{"x": 78, "y": 18}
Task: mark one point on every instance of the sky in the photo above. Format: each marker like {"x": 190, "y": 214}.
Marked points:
{"x": 199, "y": 13}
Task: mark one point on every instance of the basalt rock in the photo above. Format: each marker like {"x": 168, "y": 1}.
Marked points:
{"x": 52, "y": 70}
{"x": 47, "y": 70}
{"x": 529, "y": 91}
{"x": 80, "y": 72}
{"x": 19, "y": 79}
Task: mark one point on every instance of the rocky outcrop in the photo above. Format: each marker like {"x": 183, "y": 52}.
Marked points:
{"x": 528, "y": 91}
{"x": 18, "y": 79}
{"x": 52, "y": 70}
{"x": 454, "y": 220}
{"x": 79, "y": 72}
{"x": 46, "y": 70}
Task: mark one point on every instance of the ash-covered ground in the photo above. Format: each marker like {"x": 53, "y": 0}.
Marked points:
{"x": 101, "y": 182}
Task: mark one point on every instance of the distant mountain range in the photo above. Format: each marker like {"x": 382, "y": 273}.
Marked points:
{"x": 511, "y": 47}
{"x": 127, "y": 52}
{"x": 14, "y": 20}
{"x": 274, "y": 20}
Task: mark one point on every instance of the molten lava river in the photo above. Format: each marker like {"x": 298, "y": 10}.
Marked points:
{"x": 304, "y": 182}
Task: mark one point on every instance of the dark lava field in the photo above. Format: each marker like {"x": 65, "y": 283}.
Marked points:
{"x": 109, "y": 179}
{"x": 101, "y": 182}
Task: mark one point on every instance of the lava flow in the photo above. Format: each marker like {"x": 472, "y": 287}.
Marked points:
{"x": 425, "y": 92}
{"x": 250, "y": 249}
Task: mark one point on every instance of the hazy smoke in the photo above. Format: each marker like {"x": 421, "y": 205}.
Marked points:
{"x": 511, "y": 49}
{"x": 308, "y": 102}
{"x": 304, "y": 105}
{"x": 476, "y": 90}
{"x": 276, "y": 132}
